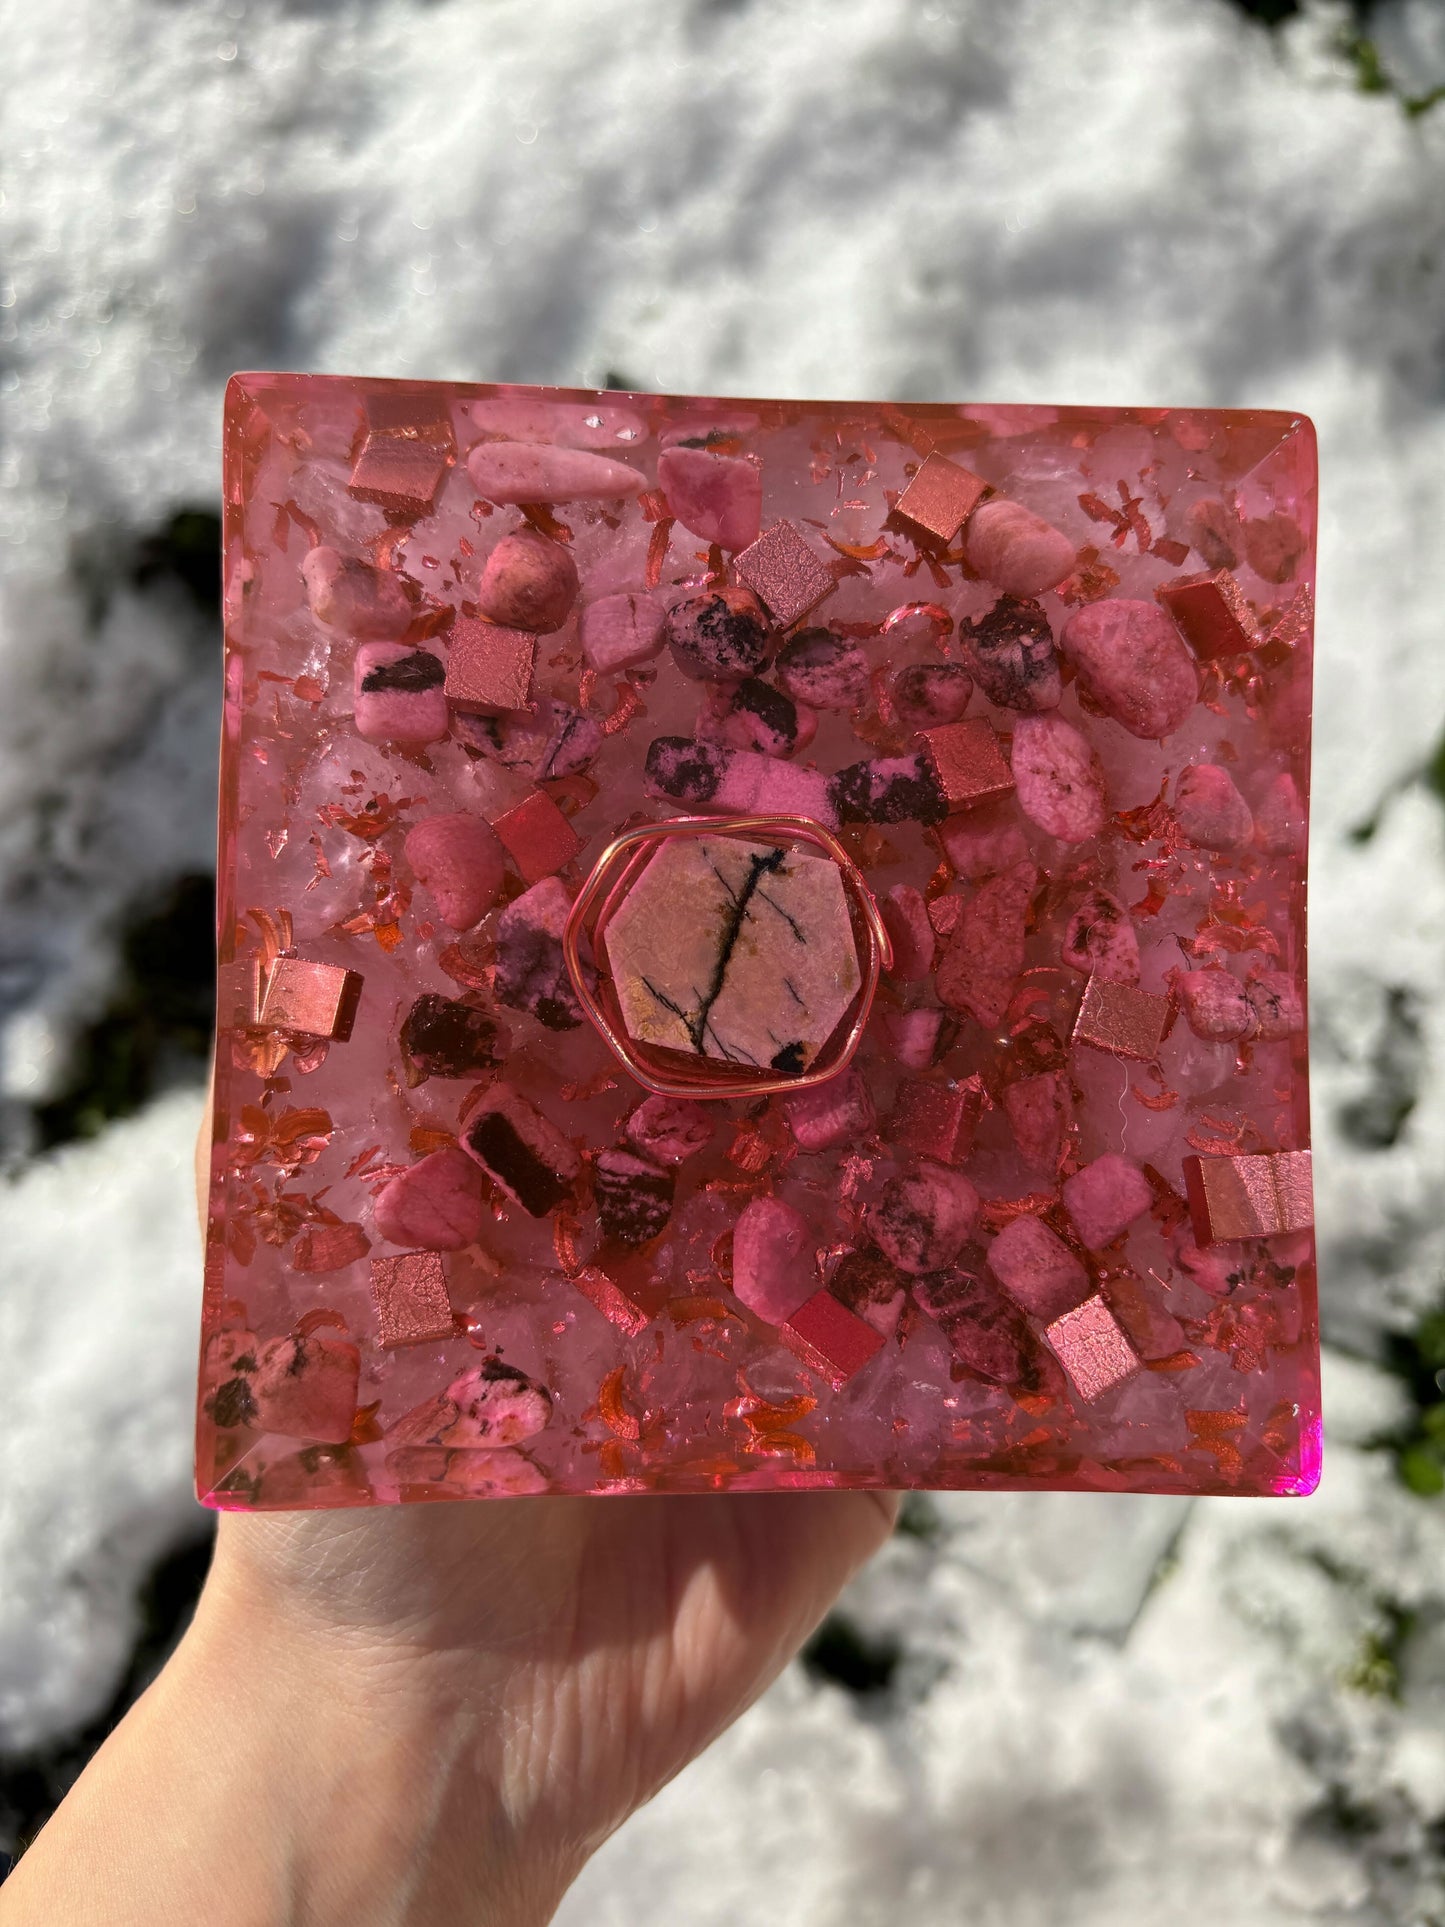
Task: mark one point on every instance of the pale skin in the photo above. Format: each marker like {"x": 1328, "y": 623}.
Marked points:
{"x": 434, "y": 1713}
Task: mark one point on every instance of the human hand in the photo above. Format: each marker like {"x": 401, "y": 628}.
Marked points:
{"x": 436, "y": 1712}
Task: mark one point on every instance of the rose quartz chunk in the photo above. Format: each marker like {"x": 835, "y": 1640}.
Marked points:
{"x": 1040, "y": 1110}
{"x": 400, "y": 696}
{"x": 670, "y": 1130}
{"x": 459, "y": 860}
{"x": 1101, "y": 940}
{"x": 1037, "y": 1269}
{"x": 905, "y": 917}
{"x": 1059, "y": 779}
{"x": 1280, "y": 819}
{"x": 1214, "y": 1005}
{"x": 528, "y": 583}
{"x": 1105, "y": 1198}
{"x": 1130, "y": 659}
{"x": 436, "y": 1205}
{"x": 984, "y": 843}
{"x": 1213, "y": 529}
{"x": 1210, "y": 810}
{"x": 839, "y": 1111}
{"x": 913, "y": 1036}
{"x": 1015, "y": 549}
{"x": 305, "y": 1388}
{"x": 1276, "y": 1003}
{"x": 350, "y": 595}
{"x": 772, "y": 1259}
{"x": 923, "y": 1220}
{"x": 619, "y": 631}
{"x": 1218, "y": 1269}
{"x": 716, "y": 495}
{"x": 508, "y": 472}
{"x": 1273, "y": 545}
{"x": 982, "y": 959}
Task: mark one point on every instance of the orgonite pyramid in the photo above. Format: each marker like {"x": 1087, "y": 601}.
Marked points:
{"x": 761, "y": 945}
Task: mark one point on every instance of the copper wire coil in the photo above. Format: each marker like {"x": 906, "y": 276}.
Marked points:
{"x": 670, "y": 1073}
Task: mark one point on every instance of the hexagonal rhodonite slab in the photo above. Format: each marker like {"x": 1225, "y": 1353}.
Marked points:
{"x": 734, "y": 950}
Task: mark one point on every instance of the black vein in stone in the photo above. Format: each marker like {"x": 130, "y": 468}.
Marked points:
{"x": 792, "y": 922}
{"x": 758, "y": 867}
{"x": 561, "y": 743}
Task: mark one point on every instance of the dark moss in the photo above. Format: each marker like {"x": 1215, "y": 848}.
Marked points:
{"x": 156, "y": 1030}
{"x": 862, "y": 1664}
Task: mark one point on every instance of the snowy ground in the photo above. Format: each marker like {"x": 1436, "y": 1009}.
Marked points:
{"x": 1086, "y": 1709}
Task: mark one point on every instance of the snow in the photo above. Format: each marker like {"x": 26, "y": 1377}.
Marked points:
{"x": 1108, "y": 1709}
{"x": 98, "y": 1324}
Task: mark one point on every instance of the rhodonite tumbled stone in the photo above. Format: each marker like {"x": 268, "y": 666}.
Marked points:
{"x": 1049, "y": 1225}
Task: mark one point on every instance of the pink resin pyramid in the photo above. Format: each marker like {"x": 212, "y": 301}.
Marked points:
{"x": 761, "y": 945}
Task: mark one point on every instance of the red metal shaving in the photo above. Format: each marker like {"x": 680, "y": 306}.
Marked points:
{"x": 944, "y": 913}
{"x": 464, "y": 967}
{"x": 290, "y": 1138}
{"x": 858, "y": 551}
{"x": 692, "y": 1306}
{"x": 588, "y": 1087}
{"x": 358, "y": 1165}
{"x": 657, "y": 551}
{"x": 997, "y": 1212}
{"x": 1091, "y": 580}
{"x": 1216, "y": 1433}
{"x": 378, "y": 815}
{"x": 1161, "y": 1101}
{"x": 365, "y": 1429}
{"x": 615, "y": 1415}
{"x": 317, "y": 1320}
{"x": 1218, "y": 1135}
{"x": 1149, "y": 822}
{"x": 751, "y": 1149}
{"x": 906, "y": 611}
{"x": 545, "y": 522}
{"x": 629, "y": 704}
